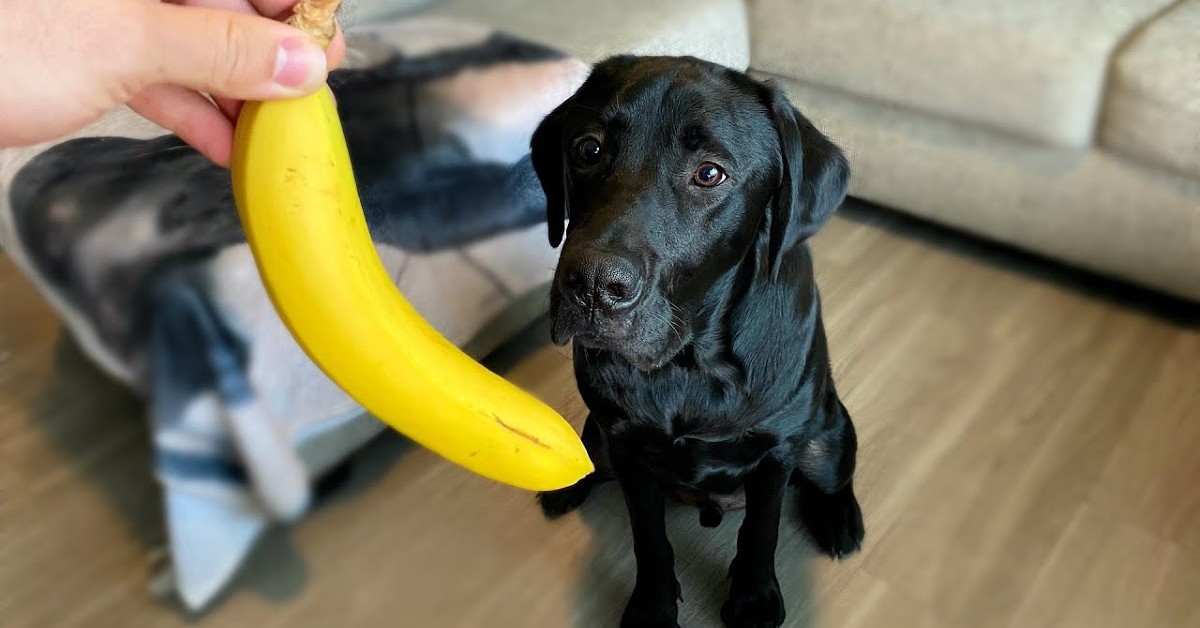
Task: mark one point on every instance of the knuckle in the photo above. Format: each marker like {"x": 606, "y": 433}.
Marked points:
{"x": 229, "y": 53}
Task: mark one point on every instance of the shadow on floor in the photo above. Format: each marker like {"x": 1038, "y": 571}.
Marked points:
{"x": 275, "y": 570}
{"x": 102, "y": 427}
{"x": 702, "y": 557}
{"x": 1115, "y": 292}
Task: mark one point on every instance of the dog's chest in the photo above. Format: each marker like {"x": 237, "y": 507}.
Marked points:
{"x": 703, "y": 464}
{"x": 689, "y": 430}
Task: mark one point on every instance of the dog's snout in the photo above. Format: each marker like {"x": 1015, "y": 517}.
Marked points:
{"x": 602, "y": 280}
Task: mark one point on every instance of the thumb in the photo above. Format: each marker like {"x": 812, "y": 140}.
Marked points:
{"x": 228, "y": 54}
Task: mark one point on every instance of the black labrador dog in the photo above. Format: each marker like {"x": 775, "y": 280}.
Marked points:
{"x": 687, "y": 286}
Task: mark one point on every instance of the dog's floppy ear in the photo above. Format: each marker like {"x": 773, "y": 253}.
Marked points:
{"x": 546, "y": 153}
{"x": 814, "y": 181}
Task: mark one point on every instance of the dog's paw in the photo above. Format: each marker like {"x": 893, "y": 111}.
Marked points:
{"x": 753, "y": 603}
{"x": 833, "y": 520}
{"x": 652, "y": 608}
{"x": 558, "y": 503}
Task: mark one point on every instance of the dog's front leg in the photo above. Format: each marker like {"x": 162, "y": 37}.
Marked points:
{"x": 655, "y": 599}
{"x": 754, "y": 597}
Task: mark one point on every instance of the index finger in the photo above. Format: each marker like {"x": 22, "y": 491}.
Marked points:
{"x": 274, "y": 8}
{"x": 237, "y": 6}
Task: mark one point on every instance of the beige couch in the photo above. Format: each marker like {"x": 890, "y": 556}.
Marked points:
{"x": 1069, "y": 128}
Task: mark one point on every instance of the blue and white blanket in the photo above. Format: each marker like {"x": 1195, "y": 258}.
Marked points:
{"x": 132, "y": 236}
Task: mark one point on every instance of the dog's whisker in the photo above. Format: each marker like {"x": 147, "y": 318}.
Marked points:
{"x": 675, "y": 320}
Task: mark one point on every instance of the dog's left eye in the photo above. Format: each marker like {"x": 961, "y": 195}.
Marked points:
{"x": 709, "y": 175}
{"x": 589, "y": 150}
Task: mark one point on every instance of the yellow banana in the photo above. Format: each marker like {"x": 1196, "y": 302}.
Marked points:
{"x": 298, "y": 202}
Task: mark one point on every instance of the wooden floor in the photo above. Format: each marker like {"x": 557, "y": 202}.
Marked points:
{"x": 1030, "y": 457}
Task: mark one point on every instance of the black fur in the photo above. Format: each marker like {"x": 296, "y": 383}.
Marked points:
{"x": 716, "y": 380}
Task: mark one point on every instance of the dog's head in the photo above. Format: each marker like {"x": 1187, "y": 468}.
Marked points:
{"x": 672, "y": 171}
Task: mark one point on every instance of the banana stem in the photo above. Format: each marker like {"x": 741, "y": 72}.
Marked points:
{"x": 315, "y": 17}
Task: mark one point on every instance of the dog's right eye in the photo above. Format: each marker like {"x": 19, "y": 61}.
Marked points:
{"x": 589, "y": 150}
{"x": 709, "y": 175}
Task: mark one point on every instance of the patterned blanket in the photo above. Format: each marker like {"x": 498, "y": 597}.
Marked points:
{"x": 132, "y": 236}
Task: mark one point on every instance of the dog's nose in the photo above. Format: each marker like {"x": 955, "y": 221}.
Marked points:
{"x": 602, "y": 280}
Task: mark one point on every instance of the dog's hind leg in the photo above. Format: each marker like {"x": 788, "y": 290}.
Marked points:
{"x": 824, "y": 474}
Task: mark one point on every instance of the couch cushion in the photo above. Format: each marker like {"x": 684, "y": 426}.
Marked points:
{"x": 1030, "y": 67}
{"x": 1153, "y": 107}
{"x": 715, "y": 30}
{"x": 1092, "y": 209}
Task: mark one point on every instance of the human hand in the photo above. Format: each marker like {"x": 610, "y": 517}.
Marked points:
{"x": 64, "y": 63}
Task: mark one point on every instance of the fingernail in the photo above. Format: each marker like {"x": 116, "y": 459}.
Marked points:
{"x": 299, "y": 64}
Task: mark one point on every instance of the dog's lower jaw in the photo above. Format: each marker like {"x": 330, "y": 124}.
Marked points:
{"x": 564, "y": 331}
{"x": 643, "y": 363}
{"x": 672, "y": 348}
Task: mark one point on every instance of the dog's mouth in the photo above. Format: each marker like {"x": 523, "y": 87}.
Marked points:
{"x": 563, "y": 331}
{"x": 559, "y": 332}
{"x": 620, "y": 339}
